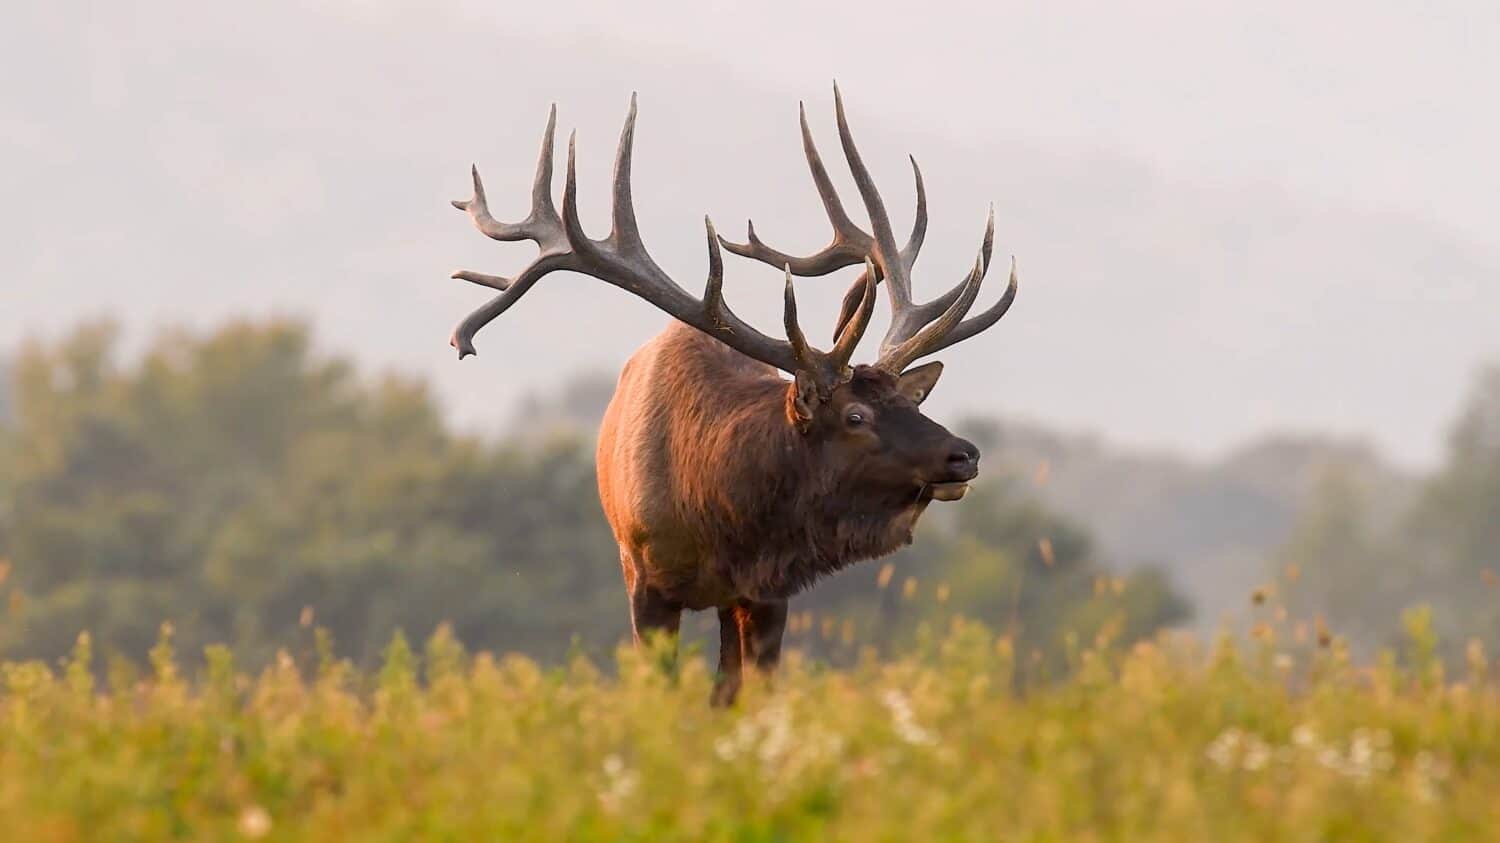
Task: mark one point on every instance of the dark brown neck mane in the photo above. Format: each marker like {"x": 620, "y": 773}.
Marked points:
{"x": 775, "y": 517}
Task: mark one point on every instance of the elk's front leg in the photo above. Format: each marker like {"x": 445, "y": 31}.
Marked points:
{"x": 748, "y": 632}
{"x": 727, "y": 682}
{"x": 761, "y": 628}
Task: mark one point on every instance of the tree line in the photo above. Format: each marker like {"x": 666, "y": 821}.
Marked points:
{"x": 243, "y": 487}
{"x": 1362, "y": 568}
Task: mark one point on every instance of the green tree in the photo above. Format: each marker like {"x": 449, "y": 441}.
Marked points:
{"x": 1454, "y": 529}
{"x": 1343, "y": 570}
{"x": 229, "y": 481}
{"x": 1361, "y": 572}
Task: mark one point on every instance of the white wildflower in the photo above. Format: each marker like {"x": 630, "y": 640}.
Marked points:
{"x": 1427, "y": 773}
{"x": 739, "y": 741}
{"x": 784, "y": 751}
{"x": 619, "y": 783}
{"x": 1257, "y": 753}
{"x": 726, "y": 748}
{"x": 777, "y": 737}
{"x": 904, "y": 721}
{"x": 1431, "y": 766}
{"x": 1225, "y": 748}
{"x": 254, "y": 822}
{"x": 1305, "y": 736}
{"x": 1361, "y": 749}
{"x": 1330, "y": 758}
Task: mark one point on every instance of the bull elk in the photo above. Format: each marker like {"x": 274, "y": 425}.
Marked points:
{"x": 728, "y": 486}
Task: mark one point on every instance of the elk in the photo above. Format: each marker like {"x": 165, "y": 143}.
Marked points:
{"x": 727, "y": 485}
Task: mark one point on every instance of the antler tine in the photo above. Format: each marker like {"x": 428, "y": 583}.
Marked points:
{"x": 897, "y": 358}
{"x": 919, "y": 224}
{"x": 463, "y": 335}
{"x": 852, "y": 298}
{"x": 923, "y": 316}
{"x": 844, "y": 228}
{"x": 931, "y": 310}
{"x": 800, "y": 349}
{"x": 909, "y": 252}
{"x": 541, "y": 186}
{"x": 973, "y": 325}
{"x": 713, "y": 290}
{"x": 542, "y": 219}
{"x": 850, "y": 243}
{"x": 624, "y": 231}
{"x": 572, "y": 226}
{"x": 852, "y": 326}
{"x": 887, "y": 257}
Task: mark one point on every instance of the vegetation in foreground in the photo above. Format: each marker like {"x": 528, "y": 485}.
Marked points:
{"x": 1157, "y": 742}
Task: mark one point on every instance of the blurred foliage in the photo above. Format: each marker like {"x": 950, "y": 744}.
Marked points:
{"x": 1358, "y": 570}
{"x": 1002, "y": 558}
{"x": 1211, "y": 524}
{"x": 1157, "y": 741}
{"x": 243, "y": 487}
{"x": 1455, "y": 527}
{"x": 1343, "y": 571}
{"x": 227, "y": 482}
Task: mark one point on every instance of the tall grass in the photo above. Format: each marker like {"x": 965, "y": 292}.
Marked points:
{"x": 1165, "y": 741}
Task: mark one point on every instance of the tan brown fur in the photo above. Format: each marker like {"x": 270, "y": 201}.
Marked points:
{"x": 719, "y": 500}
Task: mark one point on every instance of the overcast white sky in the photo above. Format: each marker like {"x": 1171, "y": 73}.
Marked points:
{"x": 1386, "y": 103}
{"x": 1229, "y": 217}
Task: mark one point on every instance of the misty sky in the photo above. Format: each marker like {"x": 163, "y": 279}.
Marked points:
{"x": 1229, "y": 218}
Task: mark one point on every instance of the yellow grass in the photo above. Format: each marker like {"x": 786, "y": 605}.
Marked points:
{"x": 1159, "y": 743}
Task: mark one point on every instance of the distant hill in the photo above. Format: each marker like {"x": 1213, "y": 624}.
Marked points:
{"x": 1212, "y": 525}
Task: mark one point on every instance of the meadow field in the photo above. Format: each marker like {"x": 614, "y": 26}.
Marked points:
{"x": 1258, "y": 739}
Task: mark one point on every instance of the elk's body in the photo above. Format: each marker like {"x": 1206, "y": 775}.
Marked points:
{"x": 714, "y": 497}
{"x": 728, "y": 486}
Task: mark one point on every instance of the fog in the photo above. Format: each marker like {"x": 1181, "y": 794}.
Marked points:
{"x": 1227, "y": 219}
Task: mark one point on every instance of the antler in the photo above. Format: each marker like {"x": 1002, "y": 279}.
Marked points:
{"x": 621, "y": 259}
{"x": 916, "y": 329}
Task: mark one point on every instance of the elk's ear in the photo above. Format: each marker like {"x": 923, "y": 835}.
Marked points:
{"x": 917, "y": 383}
{"x": 804, "y": 401}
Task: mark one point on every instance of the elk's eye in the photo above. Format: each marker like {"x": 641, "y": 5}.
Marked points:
{"x": 855, "y": 419}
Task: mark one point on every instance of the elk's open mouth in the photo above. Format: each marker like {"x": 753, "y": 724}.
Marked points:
{"x": 947, "y": 491}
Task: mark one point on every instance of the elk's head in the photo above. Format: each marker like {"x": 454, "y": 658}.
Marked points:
{"x": 874, "y": 437}
{"x": 865, "y": 418}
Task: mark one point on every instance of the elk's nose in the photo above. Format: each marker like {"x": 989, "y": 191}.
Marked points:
{"x": 963, "y": 457}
